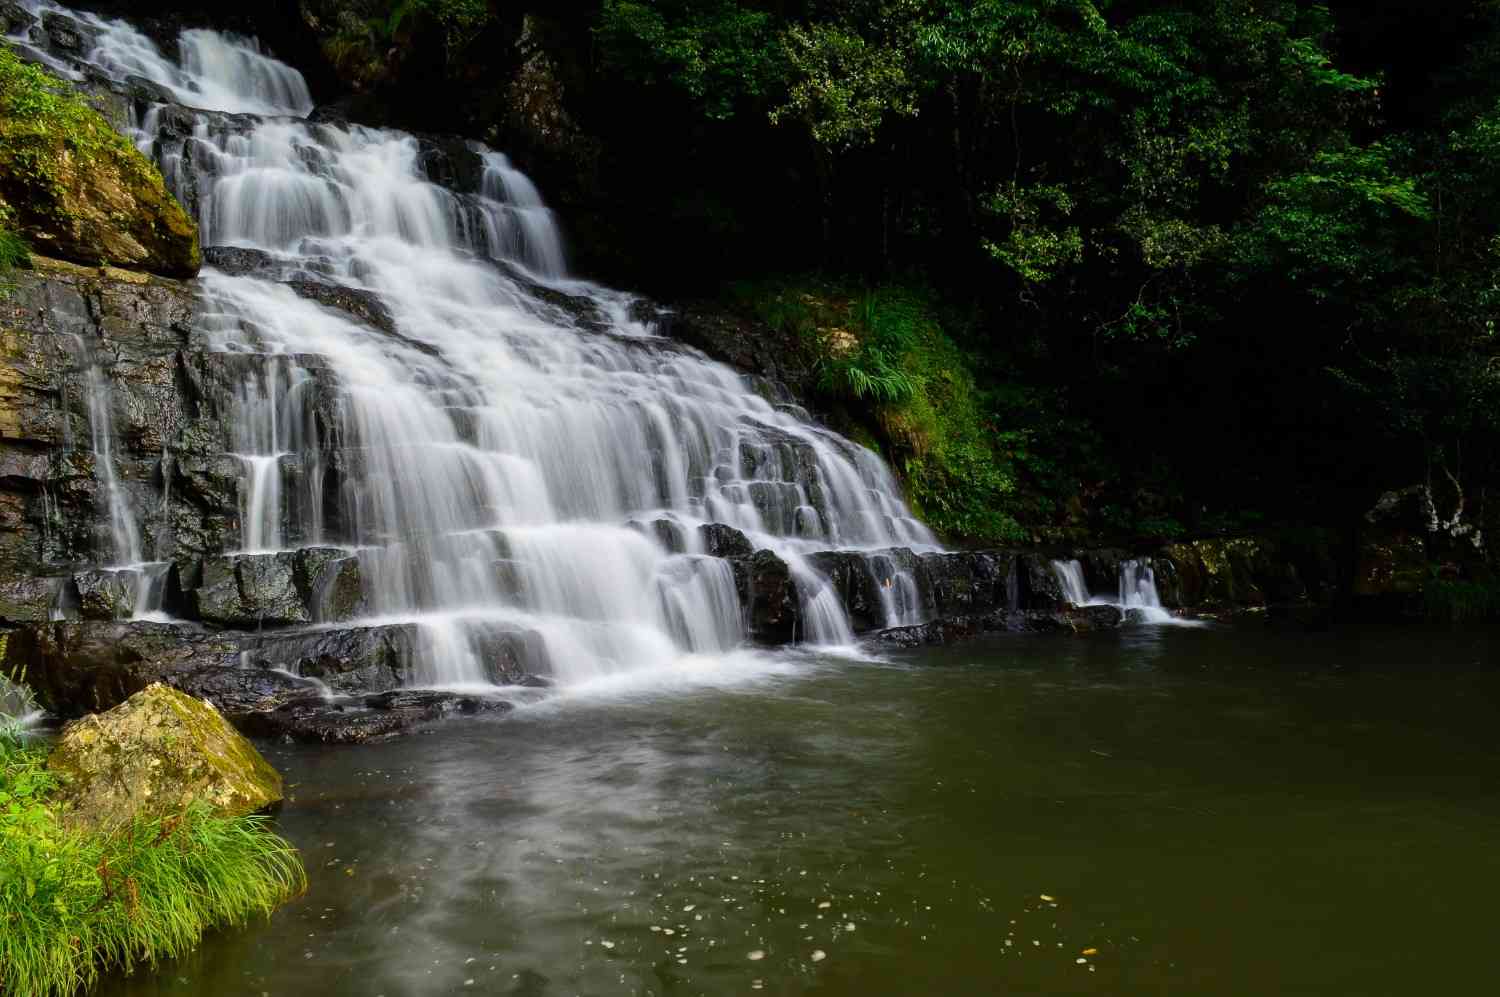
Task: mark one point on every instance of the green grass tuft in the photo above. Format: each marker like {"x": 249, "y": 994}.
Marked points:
{"x": 13, "y": 250}
{"x": 74, "y": 905}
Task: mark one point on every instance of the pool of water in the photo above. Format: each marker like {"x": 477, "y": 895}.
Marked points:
{"x": 1160, "y": 810}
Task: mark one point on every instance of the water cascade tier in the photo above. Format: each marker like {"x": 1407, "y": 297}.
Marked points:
{"x": 431, "y": 426}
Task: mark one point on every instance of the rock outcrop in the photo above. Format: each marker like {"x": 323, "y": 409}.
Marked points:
{"x": 152, "y": 756}
{"x": 76, "y": 189}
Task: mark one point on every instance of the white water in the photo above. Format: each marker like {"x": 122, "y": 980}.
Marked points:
{"x": 1137, "y": 596}
{"x": 490, "y": 463}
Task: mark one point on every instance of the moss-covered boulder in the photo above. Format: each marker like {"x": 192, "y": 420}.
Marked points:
{"x": 153, "y": 755}
{"x": 77, "y": 189}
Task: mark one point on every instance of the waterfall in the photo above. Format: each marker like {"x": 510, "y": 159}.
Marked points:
{"x": 1138, "y": 597}
{"x": 143, "y": 578}
{"x": 1070, "y": 577}
{"x": 487, "y": 437}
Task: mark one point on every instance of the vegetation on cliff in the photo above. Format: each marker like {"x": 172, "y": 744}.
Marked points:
{"x": 76, "y": 188}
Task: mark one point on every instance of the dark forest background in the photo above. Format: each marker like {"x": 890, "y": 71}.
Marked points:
{"x": 1080, "y": 268}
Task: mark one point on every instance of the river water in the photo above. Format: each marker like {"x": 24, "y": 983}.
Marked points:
{"x": 1215, "y": 811}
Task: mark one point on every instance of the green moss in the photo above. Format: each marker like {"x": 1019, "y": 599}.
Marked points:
{"x": 77, "y": 188}
{"x": 73, "y": 904}
{"x": 885, "y": 358}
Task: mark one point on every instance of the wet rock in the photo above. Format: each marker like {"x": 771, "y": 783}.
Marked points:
{"x": 151, "y": 757}
{"x": 107, "y": 595}
{"x": 512, "y": 656}
{"x": 334, "y": 584}
{"x": 448, "y": 161}
{"x": 14, "y": 19}
{"x": 250, "y": 590}
{"x": 664, "y": 531}
{"x": 245, "y": 688}
{"x": 1039, "y": 586}
{"x": 364, "y": 306}
{"x": 971, "y": 581}
{"x": 239, "y": 262}
{"x": 769, "y": 595}
{"x": 724, "y": 541}
{"x": 81, "y": 667}
{"x": 360, "y": 659}
{"x": 364, "y": 719}
{"x": 66, "y": 36}
{"x": 951, "y": 629}
{"x": 857, "y": 587}
{"x": 33, "y": 600}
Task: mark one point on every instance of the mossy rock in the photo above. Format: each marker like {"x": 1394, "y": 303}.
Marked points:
{"x": 152, "y": 756}
{"x": 75, "y": 188}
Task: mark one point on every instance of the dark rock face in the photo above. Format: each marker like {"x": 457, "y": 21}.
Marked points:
{"x": 950, "y": 629}
{"x": 724, "y": 541}
{"x": 84, "y": 667}
{"x": 33, "y": 600}
{"x": 363, "y": 719}
{"x": 769, "y": 595}
{"x": 362, "y": 659}
{"x": 857, "y": 587}
{"x": 237, "y": 261}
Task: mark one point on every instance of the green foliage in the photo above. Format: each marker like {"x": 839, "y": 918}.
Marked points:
{"x": 1036, "y": 250}
{"x": 716, "y": 52}
{"x": 842, "y": 86}
{"x": 1452, "y": 601}
{"x": 73, "y": 905}
{"x": 884, "y": 357}
{"x": 13, "y": 250}
{"x": 37, "y": 109}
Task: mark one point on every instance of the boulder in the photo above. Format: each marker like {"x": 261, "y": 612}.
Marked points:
{"x": 154, "y": 755}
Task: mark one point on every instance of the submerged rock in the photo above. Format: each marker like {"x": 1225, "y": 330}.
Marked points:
{"x": 152, "y": 756}
{"x": 369, "y": 718}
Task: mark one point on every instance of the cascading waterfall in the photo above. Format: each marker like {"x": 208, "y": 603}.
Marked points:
{"x": 1138, "y": 597}
{"x": 487, "y": 454}
{"x": 1070, "y": 577}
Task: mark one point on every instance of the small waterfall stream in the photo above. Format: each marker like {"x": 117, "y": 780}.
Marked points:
{"x": 488, "y": 438}
{"x": 1137, "y": 598}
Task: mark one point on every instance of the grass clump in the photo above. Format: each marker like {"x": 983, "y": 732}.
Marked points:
{"x": 886, "y": 359}
{"x": 73, "y": 905}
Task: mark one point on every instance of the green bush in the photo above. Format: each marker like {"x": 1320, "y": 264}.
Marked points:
{"x": 73, "y": 905}
{"x": 1450, "y": 601}
{"x": 884, "y": 357}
